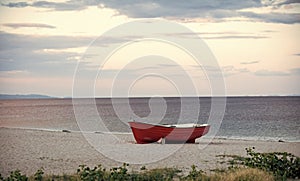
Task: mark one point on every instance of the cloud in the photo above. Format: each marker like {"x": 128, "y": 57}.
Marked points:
{"x": 218, "y": 35}
{"x": 9, "y": 41}
{"x": 28, "y": 25}
{"x": 265, "y": 72}
{"x": 164, "y": 65}
{"x": 269, "y": 31}
{"x": 13, "y": 73}
{"x": 207, "y": 9}
{"x": 236, "y": 37}
{"x": 16, "y": 5}
{"x": 250, "y": 62}
{"x": 57, "y": 55}
{"x": 297, "y": 54}
{"x": 37, "y": 63}
{"x": 217, "y": 10}
{"x": 28, "y": 53}
{"x": 137, "y": 8}
{"x": 295, "y": 71}
{"x": 231, "y": 70}
{"x": 284, "y": 18}
{"x": 225, "y": 70}
{"x": 58, "y": 6}
{"x": 280, "y": 3}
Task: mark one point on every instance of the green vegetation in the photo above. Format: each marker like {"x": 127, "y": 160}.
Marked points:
{"x": 254, "y": 167}
{"x": 243, "y": 174}
{"x": 281, "y": 165}
{"x": 15, "y": 175}
{"x": 98, "y": 173}
{"x": 121, "y": 173}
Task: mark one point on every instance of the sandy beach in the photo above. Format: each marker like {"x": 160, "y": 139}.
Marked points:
{"x": 62, "y": 152}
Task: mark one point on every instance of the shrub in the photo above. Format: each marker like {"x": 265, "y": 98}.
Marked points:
{"x": 87, "y": 174}
{"x": 39, "y": 175}
{"x": 15, "y": 176}
{"x": 161, "y": 174}
{"x": 195, "y": 174}
{"x": 119, "y": 173}
{"x": 282, "y": 165}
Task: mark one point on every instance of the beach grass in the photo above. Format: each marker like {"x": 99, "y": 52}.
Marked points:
{"x": 282, "y": 165}
{"x": 254, "y": 167}
{"x": 243, "y": 174}
{"x": 121, "y": 173}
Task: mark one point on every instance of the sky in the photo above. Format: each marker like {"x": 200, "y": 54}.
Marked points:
{"x": 255, "y": 43}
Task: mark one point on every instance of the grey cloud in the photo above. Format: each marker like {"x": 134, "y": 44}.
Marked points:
{"x": 226, "y": 70}
{"x": 231, "y": 70}
{"x": 287, "y": 2}
{"x": 250, "y": 62}
{"x": 295, "y": 71}
{"x": 159, "y": 8}
{"x": 59, "y": 6}
{"x": 41, "y": 63}
{"x": 270, "y": 73}
{"x": 178, "y": 9}
{"x": 168, "y": 65}
{"x": 107, "y": 40}
{"x": 33, "y": 42}
{"x": 145, "y": 68}
{"x": 236, "y": 37}
{"x": 204, "y": 9}
{"x": 207, "y": 68}
{"x": 28, "y": 25}
{"x": 269, "y": 31}
{"x": 284, "y": 18}
{"x": 63, "y": 6}
{"x": 24, "y": 52}
{"x": 16, "y": 5}
{"x": 27, "y": 52}
{"x": 218, "y": 35}
{"x": 297, "y": 54}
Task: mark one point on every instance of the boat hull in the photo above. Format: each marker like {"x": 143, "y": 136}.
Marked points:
{"x": 149, "y": 133}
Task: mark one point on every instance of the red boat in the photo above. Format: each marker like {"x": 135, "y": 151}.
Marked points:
{"x": 173, "y": 133}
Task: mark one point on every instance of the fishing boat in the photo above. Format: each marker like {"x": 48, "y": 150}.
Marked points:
{"x": 171, "y": 133}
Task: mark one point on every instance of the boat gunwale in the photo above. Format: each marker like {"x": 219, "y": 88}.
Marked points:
{"x": 174, "y": 126}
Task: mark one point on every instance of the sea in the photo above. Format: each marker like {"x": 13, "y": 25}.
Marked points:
{"x": 247, "y": 118}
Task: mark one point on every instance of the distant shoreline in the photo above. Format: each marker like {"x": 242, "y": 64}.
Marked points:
{"x": 25, "y": 96}
{"x": 40, "y": 96}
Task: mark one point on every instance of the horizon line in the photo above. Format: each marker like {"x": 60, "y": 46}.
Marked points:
{"x": 44, "y": 96}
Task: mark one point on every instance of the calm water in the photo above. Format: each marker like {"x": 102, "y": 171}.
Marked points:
{"x": 253, "y": 118}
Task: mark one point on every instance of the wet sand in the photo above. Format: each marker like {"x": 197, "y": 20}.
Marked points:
{"x": 61, "y": 152}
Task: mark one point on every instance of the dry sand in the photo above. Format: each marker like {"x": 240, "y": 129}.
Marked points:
{"x": 61, "y": 152}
